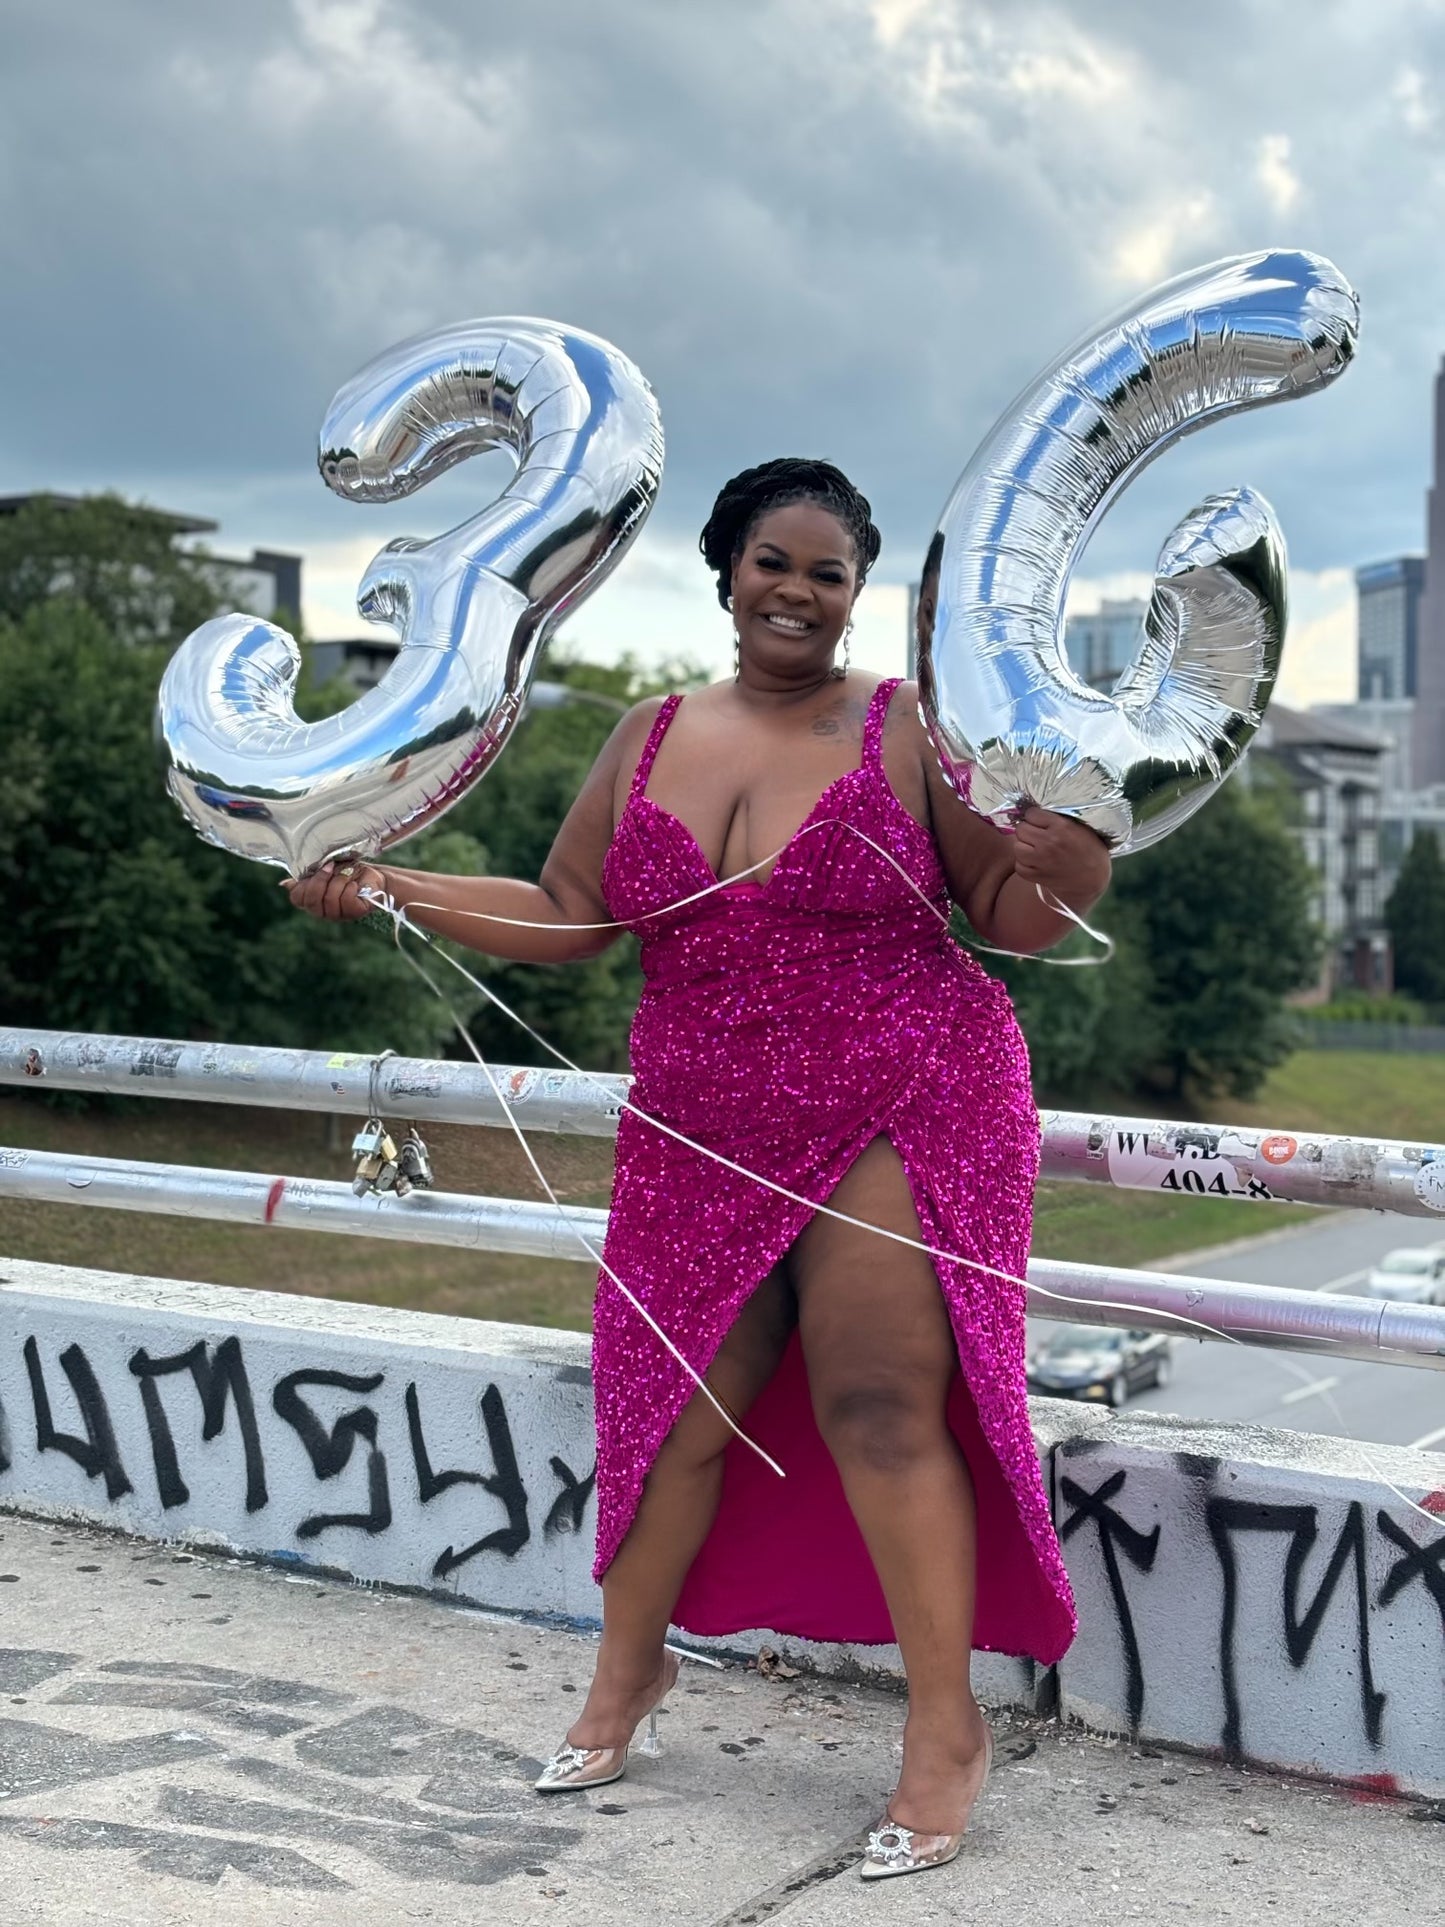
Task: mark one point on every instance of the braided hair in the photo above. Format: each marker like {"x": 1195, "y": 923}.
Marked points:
{"x": 757, "y": 491}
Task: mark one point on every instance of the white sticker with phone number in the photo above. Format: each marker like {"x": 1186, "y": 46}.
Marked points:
{"x": 1186, "y": 1172}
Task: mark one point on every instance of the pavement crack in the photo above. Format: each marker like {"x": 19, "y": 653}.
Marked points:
{"x": 823, "y": 1867}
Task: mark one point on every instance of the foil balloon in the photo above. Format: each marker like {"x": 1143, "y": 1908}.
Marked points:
{"x": 473, "y": 607}
{"x": 1011, "y": 722}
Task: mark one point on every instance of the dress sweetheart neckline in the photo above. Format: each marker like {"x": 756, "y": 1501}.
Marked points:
{"x": 764, "y": 883}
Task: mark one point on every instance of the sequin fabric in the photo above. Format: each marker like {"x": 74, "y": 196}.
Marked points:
{"x": 785, "y": 1025}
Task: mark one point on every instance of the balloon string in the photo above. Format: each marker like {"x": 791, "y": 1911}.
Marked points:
{"x": 401, "y": 923}
{"x": 576, "y": 1230}
{"x": 1047, "y": 898}
{"x": 1060, "y": 908}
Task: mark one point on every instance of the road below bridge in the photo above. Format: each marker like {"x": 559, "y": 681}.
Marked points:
{"x": 1305, "y": 1392}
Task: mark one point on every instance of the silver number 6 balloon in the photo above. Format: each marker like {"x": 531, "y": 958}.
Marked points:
{"x": 473, "y": 607}
{"x": 1011, "y": 722}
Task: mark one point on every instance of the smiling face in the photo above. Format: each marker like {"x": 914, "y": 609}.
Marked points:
{"x": 793, "y": 589}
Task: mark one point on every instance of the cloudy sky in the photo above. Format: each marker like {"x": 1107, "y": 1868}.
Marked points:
{"x": 842, "y": 227}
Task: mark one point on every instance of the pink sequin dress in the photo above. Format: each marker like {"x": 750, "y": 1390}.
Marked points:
{"x": 786, "y": 1026}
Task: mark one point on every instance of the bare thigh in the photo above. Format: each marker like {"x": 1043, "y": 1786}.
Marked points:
{"x": 879, "y": 1348}
{"x": 742, "y": 1366}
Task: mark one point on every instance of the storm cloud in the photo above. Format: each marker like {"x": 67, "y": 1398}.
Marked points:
{"x": 818, "y": 225}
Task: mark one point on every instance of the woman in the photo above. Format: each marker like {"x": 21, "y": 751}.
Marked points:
{"x": 812, "y": 1022}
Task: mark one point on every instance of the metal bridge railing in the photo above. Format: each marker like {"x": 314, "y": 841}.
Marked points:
{"x": 1133, "y": 1153}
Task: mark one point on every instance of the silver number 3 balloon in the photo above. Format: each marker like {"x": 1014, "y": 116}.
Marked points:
{"x": 473, "y": 607}
{"x": 1011, "y": 722}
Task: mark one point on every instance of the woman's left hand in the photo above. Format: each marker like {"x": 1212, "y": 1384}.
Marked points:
{"x": 1062, "y": 856}
{"x": 339, "y": 891}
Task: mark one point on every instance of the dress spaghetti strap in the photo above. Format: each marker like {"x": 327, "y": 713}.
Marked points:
{"x": 653, "y": 744}
{"x": 873, "y": 725}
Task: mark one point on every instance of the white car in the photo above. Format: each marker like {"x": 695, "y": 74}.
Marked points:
{"x": 1415, "y": 1274}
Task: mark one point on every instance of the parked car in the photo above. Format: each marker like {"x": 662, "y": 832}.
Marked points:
{"x": 1098, "y": 1362}
{"x": 1415, "y": 1273}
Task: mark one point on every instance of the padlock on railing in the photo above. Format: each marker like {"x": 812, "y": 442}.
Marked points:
{"x": 374, "y": 1149}
{"x": 381, "y": 1166}
{"x": 415, "y": 1162}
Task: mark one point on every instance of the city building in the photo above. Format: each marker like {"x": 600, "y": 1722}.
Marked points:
{"x": 1334, "y": 770}
{"x": 1392, "y": 724}
{"x": 268, "y": 583}
{"x": 361, "y": 661}
{"x": 1388, "y": 596}
{"x": 1428, "y": 756}
{"x": 1101, "y": 646}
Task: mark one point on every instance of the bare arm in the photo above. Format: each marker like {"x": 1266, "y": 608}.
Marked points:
{"x": 995, "y": 878}
{"x": 568, "y": 893}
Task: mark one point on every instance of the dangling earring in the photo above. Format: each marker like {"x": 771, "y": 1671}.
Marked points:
{"x": 737, "y": 647}
{"x": 847, "y": 651}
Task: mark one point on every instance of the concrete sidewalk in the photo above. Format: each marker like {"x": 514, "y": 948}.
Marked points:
{"x": 186, "y": 1738}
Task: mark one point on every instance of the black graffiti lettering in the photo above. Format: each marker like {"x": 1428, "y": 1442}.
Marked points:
{"x": 570, "y": 1504}
{"x": 218, "y": 1377}
{"x": 1140, "y": 1548}
{"x": 330, "y": 1451}
{"x": 5, "y": 1457}
{"x": 1300, "y": 1628}
{"x": 1425, "y": 1563}
{"x": 96, "y": 1454}
{"x": 505, "y": 1484}
{"x": 429, "y": 1483}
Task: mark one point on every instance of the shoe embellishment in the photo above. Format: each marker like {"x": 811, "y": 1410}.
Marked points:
{"x": 893, "y": 1845}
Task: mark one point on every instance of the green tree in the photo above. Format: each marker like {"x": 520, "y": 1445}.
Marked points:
{"x": 1223, "y": 912}
{"x": 116, "y": 916}
{"x": 118, "y": 559}
{"x": 1092, "y": 1027}
{"x": 1415, "y": 918}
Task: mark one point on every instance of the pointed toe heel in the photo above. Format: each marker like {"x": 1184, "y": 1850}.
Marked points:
{"x": 573, "y": 1769}
{"x": 893, "y": 1849}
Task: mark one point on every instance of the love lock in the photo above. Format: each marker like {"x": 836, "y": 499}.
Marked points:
{"x": 378, "y": 1161}
{"x": 415, "y": 1162}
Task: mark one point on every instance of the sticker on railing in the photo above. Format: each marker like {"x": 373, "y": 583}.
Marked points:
{"x": 1430, "y": 1184}
{"x": 1189, "y": 1167}
{"x": 1278, "y": 1149}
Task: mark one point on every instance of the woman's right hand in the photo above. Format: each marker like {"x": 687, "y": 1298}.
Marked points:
{"x": 334, "y": 890}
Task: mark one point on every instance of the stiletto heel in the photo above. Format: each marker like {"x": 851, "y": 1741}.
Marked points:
{"x": 572, "y": 1769}
{"x": 893, "y": 1849}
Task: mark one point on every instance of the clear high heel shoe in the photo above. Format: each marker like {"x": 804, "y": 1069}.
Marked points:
{"x": 894, "y": 1849}
{"x": 572, "y": 1769}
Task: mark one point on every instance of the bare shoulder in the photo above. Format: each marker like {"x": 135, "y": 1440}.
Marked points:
{"x": 903, "y": 718}
{"x": 907, "y": 751}
{"x": 620, "y": 754}
{"x": 842, "y": 713}
{"x": 903, "y": 731}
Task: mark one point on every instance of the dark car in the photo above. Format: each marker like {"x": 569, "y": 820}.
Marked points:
{"x": 1097, "y": 1362}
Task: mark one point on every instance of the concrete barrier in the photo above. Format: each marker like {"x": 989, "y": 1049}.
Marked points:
{"x": 1240, "y": 1590}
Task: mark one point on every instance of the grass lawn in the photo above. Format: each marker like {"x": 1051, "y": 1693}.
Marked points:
{"x": 1359, "y": 1093}
{"x": 1356, "y": 1092}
